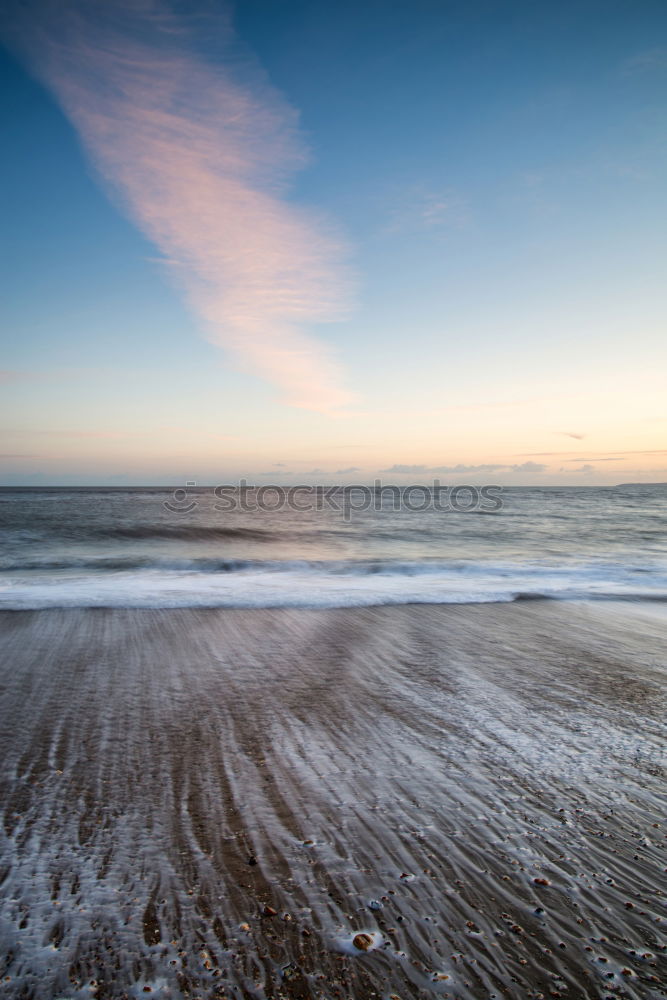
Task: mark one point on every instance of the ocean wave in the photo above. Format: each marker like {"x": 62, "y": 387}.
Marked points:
{"x": 184, "y": 532}
{"x": 144, "y": 532}
{"x": 115, "y": 563}
{"x": 300, "y": 583}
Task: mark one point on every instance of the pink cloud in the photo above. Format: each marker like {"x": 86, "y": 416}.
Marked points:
{"x": 8, "y": 375}
{"x": 200, "y": 153}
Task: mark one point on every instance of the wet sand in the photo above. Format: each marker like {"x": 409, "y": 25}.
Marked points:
{"x": 214, "y": 803}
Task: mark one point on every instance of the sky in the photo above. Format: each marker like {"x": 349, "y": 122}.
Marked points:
{"x": 312, "y": 241}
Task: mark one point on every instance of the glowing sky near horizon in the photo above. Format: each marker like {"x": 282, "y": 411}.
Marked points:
{"x": 328, "y": 242}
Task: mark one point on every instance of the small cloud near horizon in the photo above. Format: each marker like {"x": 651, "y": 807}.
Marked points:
{"x": 345, "y": 472}
{"x": 406, "y": 468}
{"x": 536, "y": 467}
{"x": 488, "y": 467}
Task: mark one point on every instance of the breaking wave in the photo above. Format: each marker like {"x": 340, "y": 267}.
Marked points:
{"x": 252, "y": 583}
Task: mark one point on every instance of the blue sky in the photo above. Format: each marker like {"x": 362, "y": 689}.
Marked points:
{"x": 466, "y": 219}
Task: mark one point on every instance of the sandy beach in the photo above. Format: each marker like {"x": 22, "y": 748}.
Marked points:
{"x": 455, "y": 801}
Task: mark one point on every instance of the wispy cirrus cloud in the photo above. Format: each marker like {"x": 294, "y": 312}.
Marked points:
{"x": 578, "y": 458}
{"x": 646, "y": 61}
{"x": 200, "y": 150}
{"x": 418, "y": 209}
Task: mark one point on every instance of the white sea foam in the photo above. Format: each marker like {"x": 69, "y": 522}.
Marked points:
{"x": 318, "y": 584}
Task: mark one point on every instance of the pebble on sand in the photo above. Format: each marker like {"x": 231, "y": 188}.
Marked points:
{"x": 362, "y": 941}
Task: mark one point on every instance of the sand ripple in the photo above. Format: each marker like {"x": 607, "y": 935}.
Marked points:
{"x": 410, "y": 802}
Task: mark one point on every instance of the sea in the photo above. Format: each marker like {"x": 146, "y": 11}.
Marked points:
{"x": 267, "y": 547}
{"x": 370, "y": 776}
